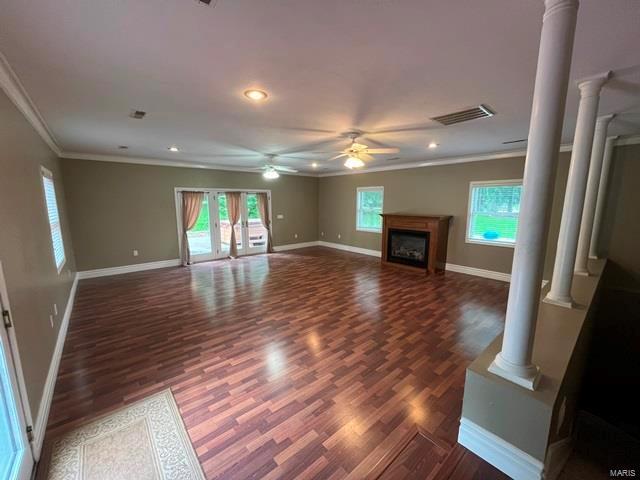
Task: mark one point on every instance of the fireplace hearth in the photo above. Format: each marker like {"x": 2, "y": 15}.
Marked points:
{"x": 415, "y": 241}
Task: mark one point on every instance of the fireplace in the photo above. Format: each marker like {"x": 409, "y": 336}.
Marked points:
{"x": 408, "y": 247}
{"x": 415, "y": 242}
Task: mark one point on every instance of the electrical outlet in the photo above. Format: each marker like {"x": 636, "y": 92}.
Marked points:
{"x": 55, "y": 309}
{"x": 51, "y": 320}
{"x": 295, "y": 235}
{"x": 135, "y": 253}
{"x": 280, "y": 216}
{"x": 339, "y": 236}
{"x": 322, "y": 234}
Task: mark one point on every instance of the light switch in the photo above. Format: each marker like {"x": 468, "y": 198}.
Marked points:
{"x": 280, "y": 216}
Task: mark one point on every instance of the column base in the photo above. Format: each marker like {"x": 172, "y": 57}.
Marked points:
{"x": 566, "y": 302}
{"x": 525, "y": 376}
{"x": 582, "y": 273}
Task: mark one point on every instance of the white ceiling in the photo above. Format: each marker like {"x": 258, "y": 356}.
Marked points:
{"x": 330, "y": 66}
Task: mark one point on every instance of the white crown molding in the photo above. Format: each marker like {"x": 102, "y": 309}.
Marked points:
{"x": 40, "y": 426}
{"x": 16, "y": 92}
{"x": 441, "y": 161}
{"x": 168, "y": 163}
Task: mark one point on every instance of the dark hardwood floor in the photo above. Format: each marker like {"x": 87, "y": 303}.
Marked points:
{"x": 307, "y": 364}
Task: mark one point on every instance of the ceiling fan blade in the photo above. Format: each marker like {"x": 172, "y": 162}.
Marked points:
{"x": 358, "y": 146}
{"x": 382, "y": 150}
{"x": 281, "y": 168}
{"x": 338, "y": 156}
{"x": 365, "y": 156}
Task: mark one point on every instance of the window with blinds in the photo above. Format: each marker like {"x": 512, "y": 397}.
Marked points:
{"x": 493, "y": 212}
{"x": 54, "y": 218}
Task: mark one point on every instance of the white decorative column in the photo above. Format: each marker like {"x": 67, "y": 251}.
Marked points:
{"x": 590, "y": 198}
{"x": 552, "y": 75}
{"x": 560, "y": 291}
{"x": 602, "y": 196}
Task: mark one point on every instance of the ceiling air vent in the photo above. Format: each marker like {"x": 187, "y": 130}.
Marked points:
{"x": 139, "y": 114}
{"x": 481, "y": 111}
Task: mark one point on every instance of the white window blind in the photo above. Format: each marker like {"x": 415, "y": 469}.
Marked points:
{"x": 369, "y": 207}
{"x": 54, "y": 218}
{"x": 493, "y": 212}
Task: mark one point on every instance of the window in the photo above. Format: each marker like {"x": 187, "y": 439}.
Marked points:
{"x": 369, "y": 208}
{"x": 54, "y": 218}
{"x": 493, "y": 212}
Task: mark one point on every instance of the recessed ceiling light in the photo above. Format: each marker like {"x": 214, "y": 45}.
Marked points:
{"x": 353, "y": 162}
{"x": 174, "y": 149}
{"x": 255, "y": 95}
{"x": 433, "y": 145}
{"x": 314, "y": 165}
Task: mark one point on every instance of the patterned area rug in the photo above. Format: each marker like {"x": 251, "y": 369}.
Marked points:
{"x": 143, "y": 441}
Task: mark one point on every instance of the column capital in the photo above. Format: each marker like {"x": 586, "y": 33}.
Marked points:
{"x": 590, "y": 86}
{"x": 552, "y": 7}
{"x": 603, "y": 120}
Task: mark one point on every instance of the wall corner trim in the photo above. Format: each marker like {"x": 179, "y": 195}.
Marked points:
{"x": 10, "y": 83}
{"x": 137, "y": 267}
{"x": 47, "y": 393}
{"x": 499, "y": 453}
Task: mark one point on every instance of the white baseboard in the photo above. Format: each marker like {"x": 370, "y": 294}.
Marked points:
{"x": 501, "y": 454}
{"x": 138, "y": 267}
{"x": 349, "y": 248}
{"x": 294, "y": 246}
{"x": 47, "y": 394}
{"x": 479, "y": 272}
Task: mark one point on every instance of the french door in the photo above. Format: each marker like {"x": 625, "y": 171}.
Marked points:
{"x": 16, "y": 458}
{"x": 211, "y": 236}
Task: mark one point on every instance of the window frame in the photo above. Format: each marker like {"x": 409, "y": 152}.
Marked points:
{"x": 368, "y": 189}
{"x": 488, "y": 183}
{"x": 46, "y": 173}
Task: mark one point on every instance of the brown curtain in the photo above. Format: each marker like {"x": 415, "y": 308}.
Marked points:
{"x": 191, "y": 205}
{"x": 233, "y": 209}
{"x": 263, "y": 210}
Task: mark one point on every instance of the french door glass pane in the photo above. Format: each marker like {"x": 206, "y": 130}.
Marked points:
{"x": 200, "y": 235}
{"x": 225, "y": 225}
{"x": 11, "y": 448}
{"x": 257, "y": 233}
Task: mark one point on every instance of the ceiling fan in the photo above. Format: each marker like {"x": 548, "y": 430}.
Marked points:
{"x": 270, "y": 171}
{"x": 358, "y": 153}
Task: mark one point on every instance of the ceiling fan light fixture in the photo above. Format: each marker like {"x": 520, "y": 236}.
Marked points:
{"x": 255, "y": 94}
{"x": 353, "y": 162}
{"x": 270, "y": 174}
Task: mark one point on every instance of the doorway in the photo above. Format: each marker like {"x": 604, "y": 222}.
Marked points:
{"x": 210, "y": 238}
{"x": 16, "y": 458}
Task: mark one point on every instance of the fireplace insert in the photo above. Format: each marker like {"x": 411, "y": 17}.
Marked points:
{"x": 408, "y": 247}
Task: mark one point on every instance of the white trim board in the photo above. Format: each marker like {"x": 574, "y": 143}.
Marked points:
{"x": 137, "y": 267}
{"x": 501, "y": 454}
{"x": 294, "y": 246}
{"x": 47, "y": 393}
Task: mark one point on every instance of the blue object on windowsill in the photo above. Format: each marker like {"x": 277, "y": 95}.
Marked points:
{"x": 490, "y": 235}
